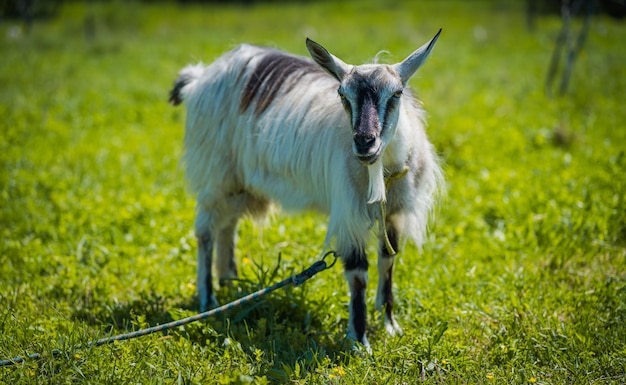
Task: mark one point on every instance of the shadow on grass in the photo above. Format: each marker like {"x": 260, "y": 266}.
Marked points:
{"x": 286, "y": 325}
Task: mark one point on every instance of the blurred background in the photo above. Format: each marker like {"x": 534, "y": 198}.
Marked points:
{"x": 524, "y": 266}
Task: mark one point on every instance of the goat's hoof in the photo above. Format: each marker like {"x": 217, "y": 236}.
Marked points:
{"x": 360, "y": 348}
{"x": 209, "y": 304}
{"x": 392, "y": 328}
{"x": 227, "y": 281}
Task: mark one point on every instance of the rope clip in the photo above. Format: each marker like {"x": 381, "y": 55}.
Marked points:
{"x": 315, "y": 268}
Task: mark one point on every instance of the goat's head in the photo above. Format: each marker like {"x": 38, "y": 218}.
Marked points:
{"x": 371, "y": 94}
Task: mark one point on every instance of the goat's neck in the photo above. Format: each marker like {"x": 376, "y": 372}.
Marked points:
{"x": 397, "y": 152}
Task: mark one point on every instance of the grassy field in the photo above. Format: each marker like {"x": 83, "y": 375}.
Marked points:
{"x": 523, "y": 279}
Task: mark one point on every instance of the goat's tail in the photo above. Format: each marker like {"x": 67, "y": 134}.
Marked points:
{"x": 186, "y": 76}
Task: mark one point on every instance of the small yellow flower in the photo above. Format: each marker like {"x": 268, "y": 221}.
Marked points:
{"x": 339, "y": 370}
{"x": 533, "y": 380}
{"x": 490, "y": 376}
{"x": 444, "y": 362}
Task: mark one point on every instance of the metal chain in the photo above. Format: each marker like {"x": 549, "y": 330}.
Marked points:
{"x": 295, "y": 280}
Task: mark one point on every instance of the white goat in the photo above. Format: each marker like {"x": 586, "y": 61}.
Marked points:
{"x": 264, "y": 126}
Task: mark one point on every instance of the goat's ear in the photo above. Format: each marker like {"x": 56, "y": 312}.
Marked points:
{"x": 407, "y": 68}
{"x": 326, "y": 60}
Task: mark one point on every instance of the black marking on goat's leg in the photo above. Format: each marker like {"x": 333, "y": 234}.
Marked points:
{"x": 385, "y": 269}
{"x": 384, "y": 295}
{"x": 384, "y": 300}
{"x": 204, "y": 278}
{"x": 356, "y": 274}
{"x": 357, "y": 260}
{"x": 225, "y": 259}
{"x": 359, "y": 316}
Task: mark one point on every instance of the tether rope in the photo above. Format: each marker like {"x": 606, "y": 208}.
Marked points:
{"x": 295, "y": 280}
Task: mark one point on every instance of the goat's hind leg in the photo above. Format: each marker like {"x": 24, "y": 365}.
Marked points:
{"x": 237, "y": 204}
{"x": 384, "y": 293}
{"x": 216, "y": 227}
{"x": 225, "y": 259}
{"x": 224, "y": 224}
{"x": 204, "y": 276}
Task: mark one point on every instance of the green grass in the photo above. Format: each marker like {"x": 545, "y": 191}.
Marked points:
{"x": 523, "y": 279}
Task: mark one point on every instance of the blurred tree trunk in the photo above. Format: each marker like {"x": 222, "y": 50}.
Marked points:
{"x": 26, "y": 8}
{"x": 90, "y": 22}
{"x": 565, "y": 41}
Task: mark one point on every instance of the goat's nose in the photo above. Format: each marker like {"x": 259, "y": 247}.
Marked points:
{"x": 364, "y": 141}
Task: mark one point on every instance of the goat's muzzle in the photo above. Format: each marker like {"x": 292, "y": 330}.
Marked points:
{"x": 366, "y": 147}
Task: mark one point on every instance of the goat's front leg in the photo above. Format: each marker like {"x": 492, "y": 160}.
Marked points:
{"x": 384, "y": 294}
{"x": 356, "y": 274}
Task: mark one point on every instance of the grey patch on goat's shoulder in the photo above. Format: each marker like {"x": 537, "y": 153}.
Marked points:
{"x": 276, "y": 71}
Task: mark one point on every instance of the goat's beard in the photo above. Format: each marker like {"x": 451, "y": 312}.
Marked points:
{"x": 376, "y": 189}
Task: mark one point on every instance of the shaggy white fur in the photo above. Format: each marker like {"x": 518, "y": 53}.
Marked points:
{"x": 264, "y": 126}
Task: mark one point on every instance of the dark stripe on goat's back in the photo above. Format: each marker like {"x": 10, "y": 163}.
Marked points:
{"x": 274, "y": 72}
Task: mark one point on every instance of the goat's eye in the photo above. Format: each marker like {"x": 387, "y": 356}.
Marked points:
{"x": 397, "y": 94}
{"x": 344, "y": 99}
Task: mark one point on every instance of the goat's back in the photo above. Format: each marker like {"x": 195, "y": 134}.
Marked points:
{"x": 267, "y": 122}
